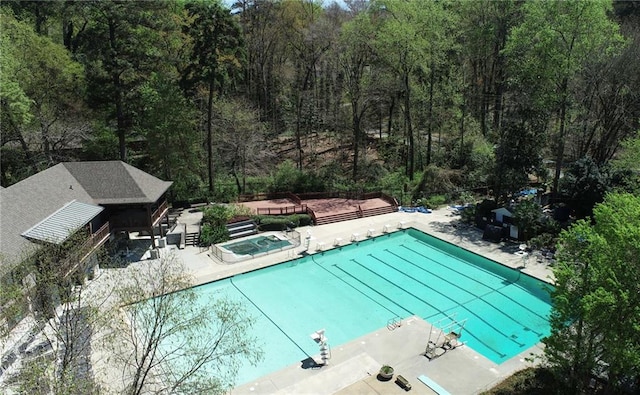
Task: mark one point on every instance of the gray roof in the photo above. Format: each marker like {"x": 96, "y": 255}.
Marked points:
{"x": 113, "y": 182}
{"x": 57, "y": 227}
{"x": 30, "y": 201}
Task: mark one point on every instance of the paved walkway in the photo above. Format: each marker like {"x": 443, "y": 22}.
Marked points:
{"x": 354, "y": 366}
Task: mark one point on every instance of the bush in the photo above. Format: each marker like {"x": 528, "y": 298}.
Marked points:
{"x": 213, "y": 234}
{"x": 529, "y": 381}
{"x": 225, "y": 190}
{"x": 545, "y": 240}
{"x": 187, "y": 189}
{"x": 276, "y": 223}
{"x": 214, "y": 221}
{"x": 286, "y": 177}
{"x": 281, "y": 222}
{"x": 304, "y": 219}
{"x": 468, "y": 215}
{"x": 527, "y": 216}
{"x": 217, "y": 215}
{"x": 434, "y": 201}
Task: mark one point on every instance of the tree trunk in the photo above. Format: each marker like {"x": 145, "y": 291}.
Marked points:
{"x": 560, "y": 138}
{"x": 356, "y": 139}
{"x": 432, "y": 79}
{"x": 46, "y": 141}
{"x": 209, "y": 136}
{"x": 392, "y": 106}
{"x": 464, "y": 114}
{"x": 407, "y": 123}
{"x": 117, "y": 86}
{"x": 23, "y": 145}
{"x": 499, "y": 73}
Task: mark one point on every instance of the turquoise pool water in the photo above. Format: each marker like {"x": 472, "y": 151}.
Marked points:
{"x": 356, "y": 289}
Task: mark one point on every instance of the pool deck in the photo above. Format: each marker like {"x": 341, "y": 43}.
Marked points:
{"x": 354, "y": 366}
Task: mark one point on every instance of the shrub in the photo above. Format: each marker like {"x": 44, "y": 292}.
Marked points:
{"x": 468, "y": 215}
{"x": 529, "y": 381}
{"x": 214, "y": 224}
{"x": 304, "y": 219}
{"x": 434, "y": 201}
{"x": 225, "y": 190}
{"x": 527, "y": 216}
{"x": 187, "y": 189}
{"x": 544, "y": 240}
{"x": 213, "y": 234}
{"x": 217, "y": 215}
{"x": 275, "y": 223}
{"x": 281, "y": 222}
{"x": 285, "y": 178}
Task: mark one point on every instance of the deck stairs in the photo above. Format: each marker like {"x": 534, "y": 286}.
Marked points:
{"x": 192, "y": 239}
{"x": 378, "y": 211}
{"x": 242, "y": 228}
{"x": 328, "y": 219}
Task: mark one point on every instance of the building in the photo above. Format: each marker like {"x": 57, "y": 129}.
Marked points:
{"x": 91, "y": 200}
{"x": 504, "y": 218}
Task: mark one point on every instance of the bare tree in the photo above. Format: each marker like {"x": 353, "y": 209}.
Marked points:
{"x": 54, "y": 356}
{"x": 173, "y": 341}
{"x": 245, "y": 150}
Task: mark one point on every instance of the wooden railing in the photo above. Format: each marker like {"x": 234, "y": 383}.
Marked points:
{"x": 74, "y": 260}
{"x": 298, "y": 198}
{"x": 159, "y": 212}
{"x": 102, "y": 234}
{"x": 297, "y": 209}
{"x": 294, "y": 198}
{"x": 391, "y": 200}
{"x": 95, "y": 240}
{"x": 266, "y": 196}
{"x": 353, "y": 195}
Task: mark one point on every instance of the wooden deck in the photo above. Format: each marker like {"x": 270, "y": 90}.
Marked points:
{"x": 327, "y": 210}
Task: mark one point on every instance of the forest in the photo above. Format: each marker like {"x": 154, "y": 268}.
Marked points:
{"x": 429, "y": 101}
{"x": 414, "y": 98}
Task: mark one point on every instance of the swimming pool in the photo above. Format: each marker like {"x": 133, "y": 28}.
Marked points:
{"x": 356, "y": 289}
{"x": 251, "y": 247}
{"x": 257, "y": 245}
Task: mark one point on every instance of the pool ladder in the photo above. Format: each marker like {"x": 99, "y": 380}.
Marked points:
{"x": 323, "y": 343}
{"x": 394, "y": 323}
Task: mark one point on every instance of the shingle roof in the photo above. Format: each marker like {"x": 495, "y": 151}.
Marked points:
{"x": 112, "y": 182}
{"x": 57, "y": 227}
{"x": 30, "y": 201}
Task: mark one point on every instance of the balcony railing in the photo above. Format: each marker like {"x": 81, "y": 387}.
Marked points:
{"x": 94, "y": 241}
{"x": 159, "y": 212}
{"x": 78, "y": 255}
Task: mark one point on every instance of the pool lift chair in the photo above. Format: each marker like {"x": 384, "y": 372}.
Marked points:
{"x": 444, "y": 335}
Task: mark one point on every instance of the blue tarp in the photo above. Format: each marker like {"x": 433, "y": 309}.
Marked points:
{"x": 528, "y": 192}
{"x": 419, "y": 209}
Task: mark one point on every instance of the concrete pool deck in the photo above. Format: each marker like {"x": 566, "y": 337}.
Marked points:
{"x": 354, "y": 366}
